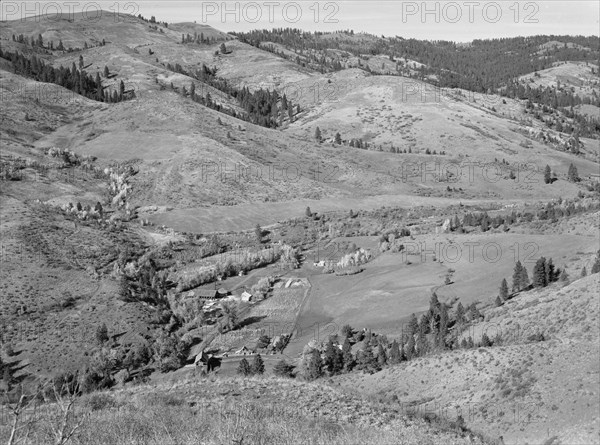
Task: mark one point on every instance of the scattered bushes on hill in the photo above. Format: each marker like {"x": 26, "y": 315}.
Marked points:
{"x": 73, "y": 79}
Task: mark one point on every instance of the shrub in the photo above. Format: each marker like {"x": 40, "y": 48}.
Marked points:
{"x": 283, "y": 369}
{"x": 99, "y": 401}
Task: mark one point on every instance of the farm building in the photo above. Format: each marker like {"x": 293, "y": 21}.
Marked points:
{"x": 206, "y": 362}
{"x": 243, "y": 351}
{"x": 209, "y": 294}
{"x": 246, "y": 296}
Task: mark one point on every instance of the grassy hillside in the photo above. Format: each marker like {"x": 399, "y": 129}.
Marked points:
{"x": 134, "y": 213}
{"x": 256, "y": 410}
{"x": 527, "y": 391}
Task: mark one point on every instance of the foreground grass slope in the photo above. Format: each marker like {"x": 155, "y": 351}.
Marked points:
{"x": 249, "y": 411}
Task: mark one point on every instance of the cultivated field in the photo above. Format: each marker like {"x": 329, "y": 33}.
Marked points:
{"x": 395, "y": 285}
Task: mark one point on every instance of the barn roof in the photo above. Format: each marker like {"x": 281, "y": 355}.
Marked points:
{"x": 206, "y": 293}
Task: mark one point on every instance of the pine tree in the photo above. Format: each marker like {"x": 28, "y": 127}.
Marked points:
{"x": 409, "y": 350}
{"x": 524, "y": 279}
{"x": 338, "y": 139}
{"x": 367, "y": 361}
{"x": 498, "y": 301}
{"x": 99, "y": 91}
{"x": 572, "y": 174}
{"x": 443, "y": 326}
{"x": 315, "y": 365}
{"x": 338, "y": 364}
{"x": 283, "y": 369}
{"x": 413, "y": 325}
{"x": 381, "y": 356}
{"x": 395, "y": 357}
{"x": 550, "y": 272}
{"x": 503, "y": 290}
{"x": 474, "y": 312}
{"x": 348, "y": 358}
{"x": 485, "y": 340}
{"x": 547, "y": 175}
{"x": 421, "y": 344}
{"x": 517, "y": 273}
{"x": 258, "y": 365}
{"x": 318, "y": 136}
{"x": 330, "y": 357}
{"x": 308, "y": 212}
{"x": 583, "y": 272}
{"x": 539, "y": 273}
{"x": 460, "y": 313}
{"x": 244, "y": 368}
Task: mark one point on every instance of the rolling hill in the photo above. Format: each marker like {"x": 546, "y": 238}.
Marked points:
{"x": 144, "y": 164}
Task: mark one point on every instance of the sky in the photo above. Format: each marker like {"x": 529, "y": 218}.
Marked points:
{"x": 459, "y": 21}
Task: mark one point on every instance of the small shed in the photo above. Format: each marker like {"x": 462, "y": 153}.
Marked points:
{"x": 246, "y": 296}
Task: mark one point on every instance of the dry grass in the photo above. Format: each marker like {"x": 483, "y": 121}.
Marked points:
{"x": 522, "y": 390}
{"x": 242, "y": 411}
